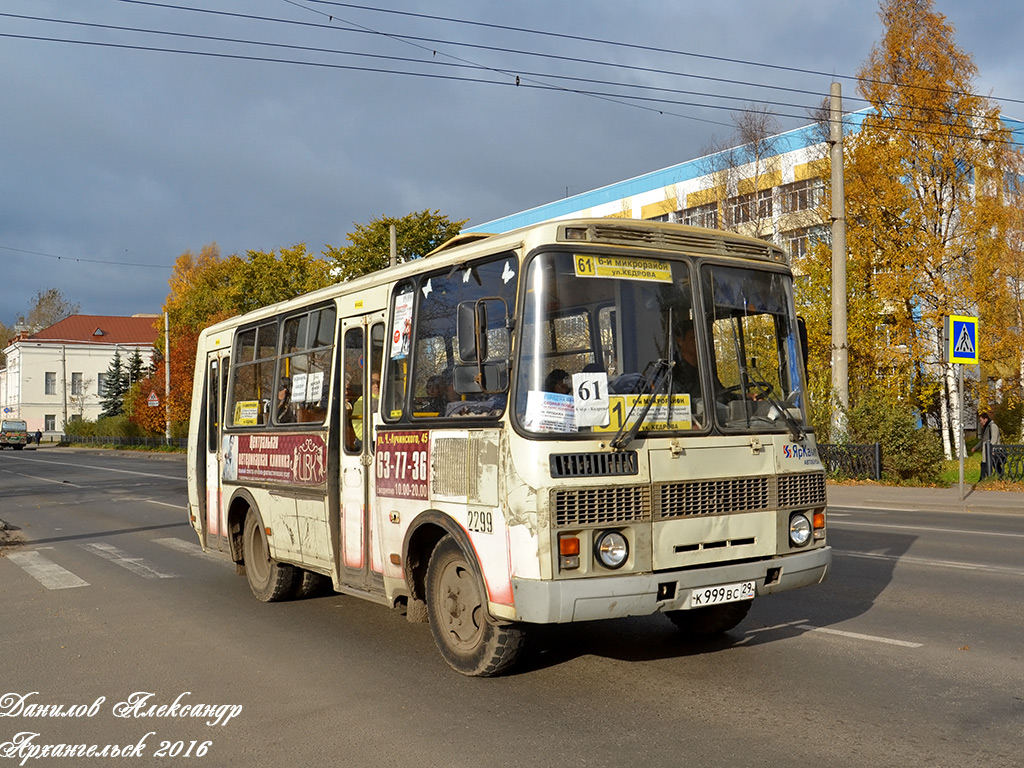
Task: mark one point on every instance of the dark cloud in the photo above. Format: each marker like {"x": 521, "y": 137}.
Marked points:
{"x": 130, "y": 156}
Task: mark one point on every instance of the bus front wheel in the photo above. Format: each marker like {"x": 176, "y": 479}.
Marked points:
{"x": 269, "y": 580}
{"x": 712, "y": 620}
{"x": 456, "y": 610}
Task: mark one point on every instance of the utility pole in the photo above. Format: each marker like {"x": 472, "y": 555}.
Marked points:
{"x": 167, "y": 378}
{"x": 840, "y": 350}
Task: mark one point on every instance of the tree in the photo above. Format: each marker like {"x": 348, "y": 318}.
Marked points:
{"x": 205, "y": 289}
{"x": 743, "y": 170}
{"x": 112, "y": 394}
{"x": 924, "y": 209}
{"x": 48, "y": 307}
{"x": 417, "y": 235}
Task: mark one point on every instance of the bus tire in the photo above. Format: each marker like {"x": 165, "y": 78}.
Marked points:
{"x": 310, "y": 584}
{"x": 269, "y": 580}
{"x": 468, "y": 641}
{"x": 712, "y": 620}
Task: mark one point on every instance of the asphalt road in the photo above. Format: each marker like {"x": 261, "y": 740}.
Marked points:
{"x": 910, "y": 655}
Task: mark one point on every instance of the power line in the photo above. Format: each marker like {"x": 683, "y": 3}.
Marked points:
{"x": 653, "y": 49}
{"x": 639, "y": 102}
{"x": 84, "y": 261}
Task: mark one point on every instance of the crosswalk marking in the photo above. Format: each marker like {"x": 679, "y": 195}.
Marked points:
{"x": 47, "y": 573}
{"x": 134, "y": 564}
{"x": 190, "y": 548}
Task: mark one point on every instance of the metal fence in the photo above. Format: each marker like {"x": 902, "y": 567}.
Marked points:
{"x": 853, "y": 461}
{"x": 147, "y": 442}
{"x": 1006, "y": 461}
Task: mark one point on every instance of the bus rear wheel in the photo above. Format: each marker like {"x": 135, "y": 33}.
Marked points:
{"x": 456, "y": 610}
{"x": 712, "y": 620}
{"x": 269, "y": 580}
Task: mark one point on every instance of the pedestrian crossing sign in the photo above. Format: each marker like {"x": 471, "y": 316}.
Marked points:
{"x": 962, "y": 339}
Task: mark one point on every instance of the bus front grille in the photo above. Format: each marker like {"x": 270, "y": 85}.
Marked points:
{"x": 714, "y": 497}
{"x": 601, "y": 506}
{"x": 806, "y": 490}
{"x": 668, "y": 501}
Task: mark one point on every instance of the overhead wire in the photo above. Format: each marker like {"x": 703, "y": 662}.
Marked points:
{"x": 617, "y": 97}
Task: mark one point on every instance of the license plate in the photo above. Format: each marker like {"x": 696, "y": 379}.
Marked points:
{"x": 726, "y": 593}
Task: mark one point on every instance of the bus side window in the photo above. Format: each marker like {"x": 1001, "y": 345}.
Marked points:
{"x": 376, "y": 364}
{"x": 353, "y": 382}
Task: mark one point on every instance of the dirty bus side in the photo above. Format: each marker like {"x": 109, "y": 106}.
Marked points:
{"x": 578, "y": 420}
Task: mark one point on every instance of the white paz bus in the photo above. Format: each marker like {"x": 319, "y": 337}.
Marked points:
{"x": 579, "y": 420}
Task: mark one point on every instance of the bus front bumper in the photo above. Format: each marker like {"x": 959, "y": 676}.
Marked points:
{"x": 612, "y": 597}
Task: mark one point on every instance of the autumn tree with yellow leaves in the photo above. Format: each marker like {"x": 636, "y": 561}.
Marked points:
{"x": 926, "y": 211}
{"x": 206, "y": 288}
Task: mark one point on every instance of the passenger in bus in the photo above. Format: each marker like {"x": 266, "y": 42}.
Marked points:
{"x": 558, "y": 381}
{"x": 285, "y": 414}
{"x": 686, "y": 371}
{"x": 357, "y": 408}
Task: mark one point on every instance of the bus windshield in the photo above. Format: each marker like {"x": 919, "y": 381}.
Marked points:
{"x": 613, "y": 344}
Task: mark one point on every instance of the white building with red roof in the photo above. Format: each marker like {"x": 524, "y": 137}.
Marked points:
{"x": 56, "y": 375}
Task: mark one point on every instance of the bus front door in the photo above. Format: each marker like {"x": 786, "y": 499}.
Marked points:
{"x": 360, "y": 561}
{"x": 215, "y": 526}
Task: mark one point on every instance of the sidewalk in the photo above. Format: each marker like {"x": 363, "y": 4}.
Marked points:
{"x": 938, "y": 499}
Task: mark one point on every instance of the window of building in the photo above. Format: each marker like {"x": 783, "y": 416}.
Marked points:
{"x": 750, "y": 207}
{"x": 50, "y": 422}
{"x": 803, "y": 195}
{"x": 51, "y": 382}
{"x": 700, "y": 216}
{"x": 799, "y": 241}
{"x": 77, "y": 387}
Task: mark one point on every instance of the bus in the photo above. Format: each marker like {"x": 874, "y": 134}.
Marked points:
{"x": 13, "y": 432}
{"x": 578, "y": 420}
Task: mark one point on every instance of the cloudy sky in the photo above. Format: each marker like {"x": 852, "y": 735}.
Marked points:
{"x": 131, "y": 131}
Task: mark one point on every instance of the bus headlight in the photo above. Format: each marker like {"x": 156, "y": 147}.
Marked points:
{"x": 799, "y": 530}
{"x": 611, "y": 549}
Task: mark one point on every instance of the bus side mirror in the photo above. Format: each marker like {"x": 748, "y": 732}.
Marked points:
{"x": 472, "y": 331}
{"x": 801, "y": 327}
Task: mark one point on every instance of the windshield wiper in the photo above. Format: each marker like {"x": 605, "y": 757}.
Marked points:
{"x": 662, "y": 369}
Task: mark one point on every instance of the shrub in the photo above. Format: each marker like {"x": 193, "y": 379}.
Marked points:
{"x": 908, "y": 453}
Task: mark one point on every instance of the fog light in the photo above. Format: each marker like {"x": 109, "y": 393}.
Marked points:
{"x": 611, "y": 549}
{"x": 799, "y": 530}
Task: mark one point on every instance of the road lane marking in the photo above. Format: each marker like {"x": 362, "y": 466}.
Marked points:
{"x": 42, "y": 479}
{"x": 192, "y": 549}
{"x": 101, "y": 469}
{"x": 935, "y": 563}
{"x": 930, "y": 529}
{"x": 46, "y": 572}
{"x": 136, "y": 565}
{"x": 165, "y": 504}
{"x": 859, "y": 636}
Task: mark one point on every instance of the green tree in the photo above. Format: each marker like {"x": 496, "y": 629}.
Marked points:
{"x": 114, "y": 387}
{"x": 417, "y": 234}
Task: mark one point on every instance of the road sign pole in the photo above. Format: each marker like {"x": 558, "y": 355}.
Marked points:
{"x": 960, "y": 437}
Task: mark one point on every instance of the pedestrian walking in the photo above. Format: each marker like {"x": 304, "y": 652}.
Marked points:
{"x": 988, "y": 436}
